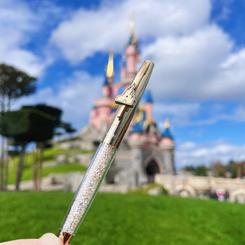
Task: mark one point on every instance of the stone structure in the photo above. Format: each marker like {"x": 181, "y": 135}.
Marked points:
{"x": 195, "y": 186}
{"x": 145, "y": 150}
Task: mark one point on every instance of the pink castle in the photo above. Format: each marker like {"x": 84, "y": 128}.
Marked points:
{"x": 145, "y": 151}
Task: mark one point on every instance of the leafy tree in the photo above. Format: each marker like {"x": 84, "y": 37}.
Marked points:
{"x": 31, "y": 124}
{"x": 218, "y": 169}
{"x": 13, "y": 84}
{"x": 200, "y": 170}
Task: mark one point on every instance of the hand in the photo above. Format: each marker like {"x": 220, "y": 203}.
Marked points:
{"x": 47, "y": 239}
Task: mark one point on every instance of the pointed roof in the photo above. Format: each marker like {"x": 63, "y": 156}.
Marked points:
{"x": 167, "y": 132}
{"x": 138, "y": 126}
{"x": 132, "y": 39}
{"x": 147, "y": 97}
{"x": 110, "y": 66}
{"x": 109, "y": 72}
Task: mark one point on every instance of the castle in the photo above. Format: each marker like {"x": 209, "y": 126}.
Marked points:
{"x": 145, "y": 150}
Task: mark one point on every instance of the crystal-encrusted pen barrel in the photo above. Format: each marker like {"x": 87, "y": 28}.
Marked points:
{"x": 105, "y": 153}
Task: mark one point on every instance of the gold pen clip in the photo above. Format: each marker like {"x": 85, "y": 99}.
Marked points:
{"x": 128, "y": 97}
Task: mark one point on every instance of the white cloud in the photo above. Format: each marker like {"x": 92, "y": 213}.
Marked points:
{"x": 74, "y": 95}
{"x": 91, "y": 31}
{"x": 179, "y": 113}
{"x": 194, "y": 58}
{"x": 16, "y": 22}
{"x": 186, "y": 66}
{"x": 190, "y": 153}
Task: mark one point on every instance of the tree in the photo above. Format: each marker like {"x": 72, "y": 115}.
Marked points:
{"x": 13, "y": 84}
{"x": 35, "y": 124}
{"x": 218, "y": 169}
{"x": 200, "y": 170}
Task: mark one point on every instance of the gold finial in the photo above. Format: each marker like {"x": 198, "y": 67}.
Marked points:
{"x": 167, "y": 123}
{"x": 133, "y": 38}
{"x": 110, "y": 66}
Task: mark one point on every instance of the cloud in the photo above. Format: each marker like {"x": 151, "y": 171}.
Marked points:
{"x": 190, "y": 153}
{"x": 186, "y": 66}
{"x": 20, "y": 23}
{"x": 97, "y": 30}
{"x": 194, "y": 58}
{"x": 74, "y": 96}
{"x": 179, "y": 113}
{"x": 17, "y": 21}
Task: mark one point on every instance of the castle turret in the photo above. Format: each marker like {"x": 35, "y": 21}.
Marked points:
{"x": 167, "y": 145}
{"x": 132, "y": 54}
{"x": 101, "y": 114}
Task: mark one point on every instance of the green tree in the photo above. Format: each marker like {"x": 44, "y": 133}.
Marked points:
{"x": 30, "y": 124}
{"x": 13, "y": 84}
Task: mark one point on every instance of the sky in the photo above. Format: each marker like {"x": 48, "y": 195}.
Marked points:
{"x": 198, "y": 47}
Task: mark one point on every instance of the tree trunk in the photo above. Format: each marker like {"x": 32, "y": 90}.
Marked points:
{"x": 2, "y": 149}
{"x": 20, "y": 167}
{"x": 2, "y": 165}
{"x": 6, "y": 158}
{"x": 37, "y": 169}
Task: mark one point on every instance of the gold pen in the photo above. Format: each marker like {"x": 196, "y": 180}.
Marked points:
{"x": 105, "y": 153}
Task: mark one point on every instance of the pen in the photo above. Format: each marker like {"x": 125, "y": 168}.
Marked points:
{"x": 128, "y": 102}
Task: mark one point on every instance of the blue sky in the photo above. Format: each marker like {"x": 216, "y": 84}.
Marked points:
{"x": 197, "y": 47}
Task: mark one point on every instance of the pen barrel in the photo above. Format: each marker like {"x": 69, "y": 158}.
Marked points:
{"x": 88, "y": 188}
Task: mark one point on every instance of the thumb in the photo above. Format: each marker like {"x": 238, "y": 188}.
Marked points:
{"x": 49, "y": 239}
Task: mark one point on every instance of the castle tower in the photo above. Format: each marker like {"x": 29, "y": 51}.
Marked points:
{"x": 131, "y": 55}
{"x": 101, "y": 114}
{"x": 167, "y": 146}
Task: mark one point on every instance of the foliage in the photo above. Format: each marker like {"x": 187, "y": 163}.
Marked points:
{"x": 200, "y": 170}
{"x": 35, "y": 123}
{"x": 125, "y": 219}
{"x": 231, "y": 169}
{"x": 15, "y": 83}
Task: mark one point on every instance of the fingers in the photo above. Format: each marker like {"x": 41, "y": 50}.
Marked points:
{"x": 49, "y": 239}
{"x": 46, "y": 239}
{"x": 22, "y": 242}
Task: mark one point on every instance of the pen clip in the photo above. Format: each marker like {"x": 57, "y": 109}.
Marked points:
{"x": 128, "y": 97}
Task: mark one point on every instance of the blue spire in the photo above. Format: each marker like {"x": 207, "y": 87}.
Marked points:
{"x": 167, "y": 132}
{"x": 137, "y": 128}
{"x": 147, "y": 97}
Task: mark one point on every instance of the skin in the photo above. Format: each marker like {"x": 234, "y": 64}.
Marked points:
{"x": 47, "y": 239}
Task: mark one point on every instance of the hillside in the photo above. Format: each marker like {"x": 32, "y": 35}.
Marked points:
{"x": 50, "y": 165}
{"x": 125, "y": 219}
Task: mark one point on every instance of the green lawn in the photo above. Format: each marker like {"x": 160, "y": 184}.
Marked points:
{"x": 125, "y": 219}
{"x": 61, "y": 168}
{"x": 49, "y": 155}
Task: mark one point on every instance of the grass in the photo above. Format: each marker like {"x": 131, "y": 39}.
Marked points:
{"x": 125, "y": 219}
{"x": 49, "y": 155}
{"x": 61, "y": 168}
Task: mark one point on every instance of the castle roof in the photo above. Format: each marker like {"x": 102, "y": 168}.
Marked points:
{"x": 166, "y": 133}
{"x": 132, "y": 39}
{"x": 110, "y": 66}
{"x": 109, "y": 72}
{"x": 147, "y": 97}
{"x": 137, "y": 128}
